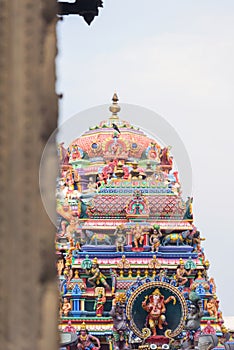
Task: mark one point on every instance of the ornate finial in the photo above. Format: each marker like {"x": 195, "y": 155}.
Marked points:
{"x": 207, "y": 264}
{"x": 181, "y": 261}
{"x": 95, "y": 260}
{"x": 115, "y": 97}
{"x": 114, "y": 108}
{"x": 156, "y": 292}
{"x": 199, "y": 274}
{"x": 83, "y": 326}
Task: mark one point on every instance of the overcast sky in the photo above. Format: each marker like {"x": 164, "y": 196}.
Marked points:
{"x": 174, "y": 57}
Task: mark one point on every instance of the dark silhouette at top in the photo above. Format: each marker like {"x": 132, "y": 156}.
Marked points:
{"x": 116, "y": 127}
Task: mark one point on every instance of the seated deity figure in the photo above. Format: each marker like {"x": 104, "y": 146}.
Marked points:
{"x": 181, "y": 274}
{"x": 66, "y": 307}
{"x": 212, "y": 307}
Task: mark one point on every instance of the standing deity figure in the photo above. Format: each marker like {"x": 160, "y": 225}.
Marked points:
{"x": 189, "y": 209}
{"x": 72, "y": 228}
{"x": 85, "y": 340}
{"x": 155, "y": 305}
{"x": 97, "y": 277}
{"x": 100, "y": 301}
{"x": 192, "y": 325}
{"x": 120, "y": 327}
{"x": 120, "y": 238}
{"x": 155, "y": 238}
{"x": 138, "y": 236}
{"x": 212, "y": 285}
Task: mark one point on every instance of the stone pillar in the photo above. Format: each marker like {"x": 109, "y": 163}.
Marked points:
{"x": 28, "y": 114}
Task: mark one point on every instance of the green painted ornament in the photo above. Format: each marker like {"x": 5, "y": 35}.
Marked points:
{"x": 86, "y": 263}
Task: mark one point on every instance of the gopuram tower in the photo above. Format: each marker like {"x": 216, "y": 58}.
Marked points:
{"x": 131, "y": 267}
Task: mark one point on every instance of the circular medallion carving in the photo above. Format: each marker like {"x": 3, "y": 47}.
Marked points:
{"x": 144, "y": 311}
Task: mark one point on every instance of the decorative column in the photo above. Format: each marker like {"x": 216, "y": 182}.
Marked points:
{"x": 28, "y": 115}
{"x": 76, "y": 292}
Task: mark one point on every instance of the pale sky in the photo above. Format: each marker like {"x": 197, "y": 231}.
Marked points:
{"x": 174, "y": 57}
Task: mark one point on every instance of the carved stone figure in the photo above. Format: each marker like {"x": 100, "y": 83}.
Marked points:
{"x": 196, "y": 241}
{"x": 207, "y": 341}
{"x": 120, "y": 238}
{"x": 100, "y": 301}
{"x": 156, "y": 308}
{"x": 155, "y": 238}
{"x": 212, "y": 307}
{"x": 176, "y": 238}
{"x": 69, "y": 328}
{"x": 60, "y": 265}
{"x": 97, "y": 277}
{"x": 164, "y": 156}
{"x": 65, "y": 308}
{"x": 192, "y": 325}
{"x": 85, "y": 340}
{"x": 98, "y": 238}
{"x": 72, "y": 228}
{"x": 120, "y": 327}
{"x": 181, "y": 274}
{"x": 212, "y": 285}
{"x": 189, "y": 209}
{"x": 138, "y": 236}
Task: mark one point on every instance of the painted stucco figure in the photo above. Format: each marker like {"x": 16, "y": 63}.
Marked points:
{"x": 155, "y": 305}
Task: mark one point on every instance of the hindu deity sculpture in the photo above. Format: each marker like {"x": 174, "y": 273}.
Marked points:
{"x": 71, "y": 228}
{"x": 138, "y": 236}
{"x": 181, "y": 273}
{"x": 97, "y": 277}
{"x": 60, "y": 265}
{"x": 85, "y": 340}
{"x": 192, "y": 324}
{"x": 69, "y": 328}
{"x": 196, "y": 241}
{"x": 155, "y": 238}
{"x": 165, "y": 159}
{"x": 120, "y": 238}
{"x": 66, "y": 307}
{"x": 120, "y": 327}
{"x": 155, "y": 305}
{"x": 100, "y": 301}
{"x": 189, "y": 209}
{"x": 212, "y": 307}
